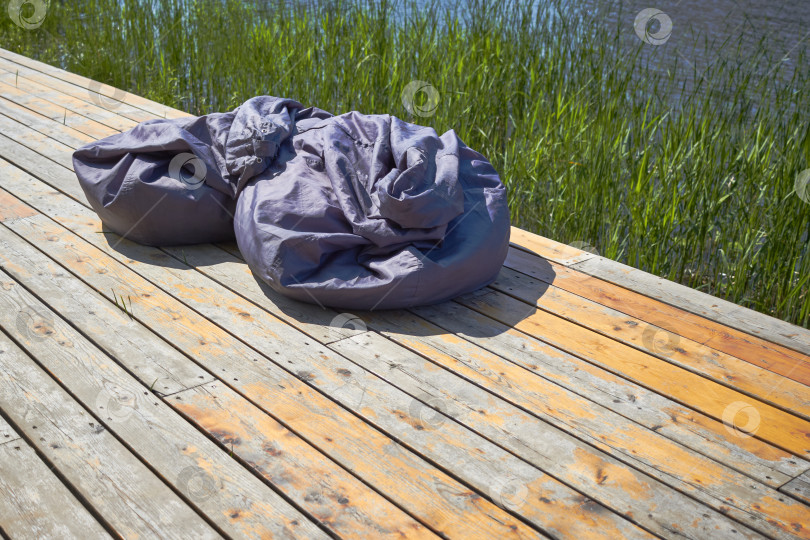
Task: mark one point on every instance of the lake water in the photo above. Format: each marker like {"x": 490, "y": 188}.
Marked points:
{"x": 681, "y": 26}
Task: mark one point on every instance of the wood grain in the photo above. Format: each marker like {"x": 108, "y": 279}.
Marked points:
{"x": 95, "y": 463}
{"x": 35, "y": 503}
{"x": 662, "y": 341}
{"x": 753, "y": 349}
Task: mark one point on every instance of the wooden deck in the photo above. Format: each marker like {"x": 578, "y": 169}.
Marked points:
{"x": 575, "y": 397}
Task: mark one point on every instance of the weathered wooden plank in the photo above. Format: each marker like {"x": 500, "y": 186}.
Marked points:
{"x": 13, "y": 208}
{"x": 747, "y": 347}
{"x": 94, "y": 462}
{"x": 158, "y": 365}
{"x": 717, "y": 309}
{"x": 378, "y": 402}
{"x": 711, "y": 483}
{"x": 520, "y": 432}
{"x": 324, "y": 325}
{"x": 240, "y": 504}
{"x": 548, "y": 248}
{"x": 50, "y": 110}
{"x": 94, "y": 87}
{"x": 675, "y": 294}
{"x": 34, "y": 139}
{"x": 408, "y": 480}
{"x": 48, "y": 171}
{"x": 37, "y": 92}
{"x": 124, "y": 110}
{"x": 7, "y": 433}
{"x": 210, "y": 304}
{"x": 347, "y": 507}
{"x": 35, "y": 503}
{"x": 748, "y": 455}
{"x": 799, "y": 487}
{"x": 325, "y": 490}
{"x": 773, "y": 425}
{"x": 56, "y": 130}
{"x": 663, "y": 343}
{"x": 763, "y": 462}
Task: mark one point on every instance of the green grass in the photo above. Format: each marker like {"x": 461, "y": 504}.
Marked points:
{"x": 699, "y": 189}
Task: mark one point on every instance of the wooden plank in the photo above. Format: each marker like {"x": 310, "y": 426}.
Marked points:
{"x": 662, "y": 342}
{"x": 345, "y": 505}
{"x": 37, "y": 93}
{"x": 94, "y": 462}
{"x": 94, "y": 87}
{"x": 717, "y": 309}
{"x": 44, "y": 124}
{"x": 773, "y": 425}
{"x": 63, "y": 116}
{"x": 763, "y": 465}
{"x": 748, "y": 455}
{"x": 799, "y": 487}
{"x": 62, "y": 153}
{"x": 158, "y": 365}
{"x": 13, "y": 208}
{"x": 48, "y": 171}
{"x": 608, "y": 478}
{"x": 675, "y": 294}
{"x": 750, "y": 348}
{"x": 203, "y": 301}
{"x": 330, "y": 494}
{"x": 241, "y": 504}
{"x": 35, "y": 504}
{"x": 547, "y": 248}
{"x": 408, "y": 480}
{"x": 123, "y": 110}
{"x": 324, "y": 325}
{"x": 677, "y": 466}
{"x": 7, "y": 433}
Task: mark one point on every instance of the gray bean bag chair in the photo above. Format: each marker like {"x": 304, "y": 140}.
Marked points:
{"x": 352, "y": 211}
